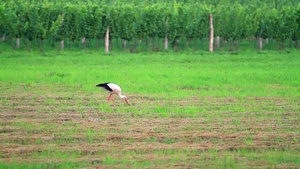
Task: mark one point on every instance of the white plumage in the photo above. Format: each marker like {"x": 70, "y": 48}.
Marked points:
{"x": 113, "y": 89}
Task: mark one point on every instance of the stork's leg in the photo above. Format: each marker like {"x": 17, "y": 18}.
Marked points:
{"x": 109, "y": 97}
{"x": 112, "y": 99}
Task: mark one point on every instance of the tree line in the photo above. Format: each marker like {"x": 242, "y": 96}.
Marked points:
{"x": 132, "y": 21}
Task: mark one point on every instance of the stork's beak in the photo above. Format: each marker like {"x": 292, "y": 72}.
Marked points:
{"x": 127, "y": 102}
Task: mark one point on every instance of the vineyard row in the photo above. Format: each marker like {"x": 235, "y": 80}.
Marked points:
{"x": 168, "y": 21}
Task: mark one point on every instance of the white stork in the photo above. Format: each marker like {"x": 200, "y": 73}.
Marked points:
{"x": 112, "y": 89}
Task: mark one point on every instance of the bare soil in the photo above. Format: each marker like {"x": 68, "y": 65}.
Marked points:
{"x": 34, "y": 124}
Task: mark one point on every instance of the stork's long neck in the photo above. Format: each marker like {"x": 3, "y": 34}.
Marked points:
{"x": 121, "y": 96}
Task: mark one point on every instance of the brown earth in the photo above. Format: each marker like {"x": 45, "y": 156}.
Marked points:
{"x": 33, "y": 124}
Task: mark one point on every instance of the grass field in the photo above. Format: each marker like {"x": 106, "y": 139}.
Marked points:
{"x": 188, "y": 110}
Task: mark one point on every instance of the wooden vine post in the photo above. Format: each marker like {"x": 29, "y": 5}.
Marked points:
{"x": 211, "y": 33}
{"x": 62, "y": 42}
{"x": 166, "y": 38}
{"x": 260, "y": 43}
{"x": 107, "y": 40}
{"x": 166, "y": 43}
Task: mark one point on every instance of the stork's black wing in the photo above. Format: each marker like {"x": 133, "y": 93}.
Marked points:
{"x": 105, "y": 86}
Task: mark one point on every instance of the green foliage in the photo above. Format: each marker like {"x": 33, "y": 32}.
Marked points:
{"x": 91, "y": 19}
{"x": 233, "y": 20}
{"x": 56, "y": 29}
{"x": 12, "y": 19}
{"x": 2, "y": 20}
{"x": 147, "y": 24}
{"x": 123, "y": 25}
{"x": 285, "y": 24}
{"x": 296, "y": 34}
{"x": 198, "y": 26}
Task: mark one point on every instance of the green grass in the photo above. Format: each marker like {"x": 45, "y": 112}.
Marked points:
{"x": 188, "y": 109}
{"x": 176, "y": 74}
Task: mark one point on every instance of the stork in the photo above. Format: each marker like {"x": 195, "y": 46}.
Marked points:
{"x": 113, "y": 89}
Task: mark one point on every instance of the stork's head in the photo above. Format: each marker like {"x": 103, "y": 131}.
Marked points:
{"x": 125, "y": 98}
